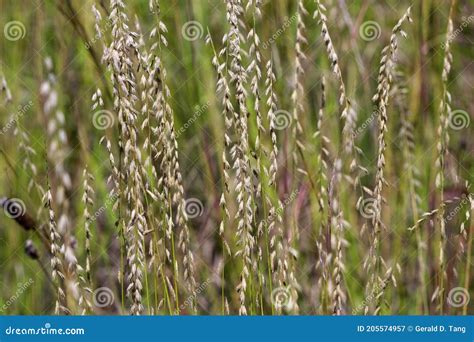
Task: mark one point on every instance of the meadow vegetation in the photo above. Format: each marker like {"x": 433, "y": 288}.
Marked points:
{"x": 243, "y": 157}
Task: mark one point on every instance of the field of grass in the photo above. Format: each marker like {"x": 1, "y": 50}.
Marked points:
{"x": 243, "y": 157}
